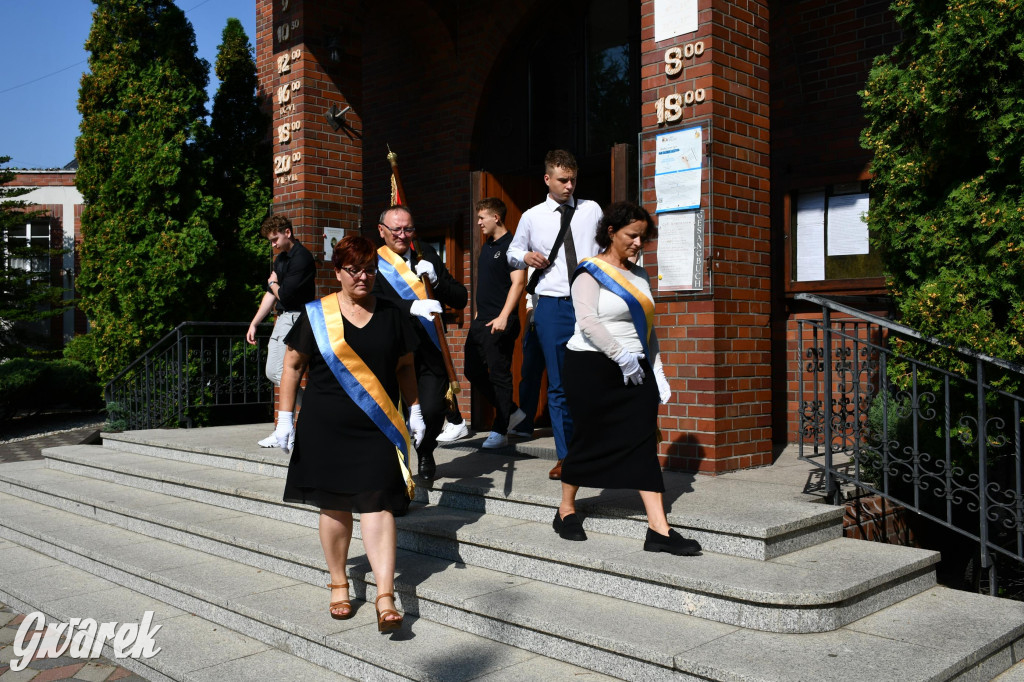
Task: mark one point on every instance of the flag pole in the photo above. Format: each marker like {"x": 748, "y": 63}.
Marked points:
{"x": 398, "y": 199}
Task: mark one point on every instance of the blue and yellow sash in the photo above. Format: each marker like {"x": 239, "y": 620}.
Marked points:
{"x": 357, "y": 380}
{"x": 404, "y": 281}
{"x": 641, "y": 305}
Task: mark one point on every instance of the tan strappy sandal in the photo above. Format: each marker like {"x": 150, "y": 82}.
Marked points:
{"x": 384, "y": 625}
{"x": 345, "y": 603}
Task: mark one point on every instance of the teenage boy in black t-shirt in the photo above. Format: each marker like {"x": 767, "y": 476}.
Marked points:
{"x": 492, "y": 335}
{"x": 292, "y": 284}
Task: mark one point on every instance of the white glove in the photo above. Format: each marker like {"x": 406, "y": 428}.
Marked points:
{"x": 417, "y": 427}
{"x": 425, "y": 307}
{"x": 664, "y": 389}
{"x": 629, "y": 363}
{"x": 427, "y": 268}
{"x": 285, "y": 431}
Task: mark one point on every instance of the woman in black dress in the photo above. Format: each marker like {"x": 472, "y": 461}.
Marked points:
{"x": 609, "y": 364}
{"x": 348, "y": 445}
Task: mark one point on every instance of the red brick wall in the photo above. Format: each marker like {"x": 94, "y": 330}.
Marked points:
{"x": 718, "y": 343}
{"x": 323, "y": 187}
{"x": 876, "y": 519}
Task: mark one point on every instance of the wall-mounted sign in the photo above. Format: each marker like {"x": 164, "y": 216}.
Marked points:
{"x": 681, "y": 251}
{"x": 674, "y": 18}
{"x": 677, "y": 169}
{"x": 332, "y": 235}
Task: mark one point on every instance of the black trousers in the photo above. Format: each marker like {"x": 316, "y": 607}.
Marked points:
{"x": 489, "y": 367}
{"x": 432, "y": 389}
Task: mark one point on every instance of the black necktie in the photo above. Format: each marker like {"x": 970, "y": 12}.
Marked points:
{"x": 570, "y": 247}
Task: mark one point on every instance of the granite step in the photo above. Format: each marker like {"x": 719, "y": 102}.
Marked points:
{"x": 191, "y": 648}
{"x": 938, "y": 634}
{"x": 812, "y": 590}
{"x": 725, "y": 516}
{"x": 267, "y": 608}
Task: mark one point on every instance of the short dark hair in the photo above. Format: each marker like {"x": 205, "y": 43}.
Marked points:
{"x": 620, "y": 214}
{"x": 395, "y": 207}
{"x": 559, "y": 158}
{"x": 359, "y": 252}
{"x": 275, "y": 223}
{"x": 494, "y": 205}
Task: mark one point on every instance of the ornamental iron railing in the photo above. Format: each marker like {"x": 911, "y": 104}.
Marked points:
{"x": 934, "y": 428}
{"x": 196, "y": 367}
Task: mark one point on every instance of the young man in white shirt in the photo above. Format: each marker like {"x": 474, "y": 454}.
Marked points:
{"x": 554, "y": 317}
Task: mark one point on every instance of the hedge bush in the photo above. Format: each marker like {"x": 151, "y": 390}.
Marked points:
{"x": 30, "y": 385}
{"x": 945, "y": 114}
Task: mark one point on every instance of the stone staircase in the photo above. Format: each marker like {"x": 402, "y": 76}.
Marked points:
{"x": 190, "y": 524}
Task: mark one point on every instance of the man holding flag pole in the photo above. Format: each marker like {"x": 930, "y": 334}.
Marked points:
{"x": 403, "y": 275}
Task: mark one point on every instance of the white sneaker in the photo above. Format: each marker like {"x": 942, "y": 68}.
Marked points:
{"x": 495, "y": 440}
{"x": 515, "y": 419}
{"x": 268, "y": 442}
{"x": 520, "y": 434}
{"x": 453, "y": 432}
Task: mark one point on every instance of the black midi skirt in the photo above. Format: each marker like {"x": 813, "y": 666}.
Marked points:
{"x": 615, "y": 426}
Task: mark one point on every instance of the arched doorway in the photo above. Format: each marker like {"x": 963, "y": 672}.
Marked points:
{"x": 568, "y": 79}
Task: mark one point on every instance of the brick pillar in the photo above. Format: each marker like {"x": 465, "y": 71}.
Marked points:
{"x": 309, "y": 57}
{"x": 718, "y": 342}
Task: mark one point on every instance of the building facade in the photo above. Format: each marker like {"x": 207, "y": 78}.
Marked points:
{"x": 738, "y": 121}
{"x": 56, "y": 225}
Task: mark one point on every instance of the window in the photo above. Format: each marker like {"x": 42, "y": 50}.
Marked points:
{"x": 28, "y": 250}
{"x": 829, "y": 234}
{"x": 28, "y": 247}
{"x": 611, "y": 92}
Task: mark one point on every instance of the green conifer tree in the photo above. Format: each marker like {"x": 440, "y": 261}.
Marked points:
{"x": 147, "y": 250}
{"x": 945, "y": 117}
{"x": 241, "y": 156}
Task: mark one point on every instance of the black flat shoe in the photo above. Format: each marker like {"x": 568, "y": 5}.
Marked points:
{"x": 673, "y": 543}
{"x": 425, "y": 467}
{"x": 569, "y": 528}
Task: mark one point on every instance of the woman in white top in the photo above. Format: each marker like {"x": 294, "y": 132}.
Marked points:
{"x": 614, "y": 380}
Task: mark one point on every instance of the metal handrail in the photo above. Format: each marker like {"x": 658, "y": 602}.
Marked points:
{"x": 187, "y": 372}
{"x": 907, "y": 331}
{"x": 960, "y": 466}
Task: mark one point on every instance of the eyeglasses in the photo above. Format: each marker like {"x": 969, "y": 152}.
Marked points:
{"x": 353, "y": 273}
{"x": 400, "y": 230}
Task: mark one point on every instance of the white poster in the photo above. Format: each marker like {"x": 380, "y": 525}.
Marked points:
{"x": 674, "y": 18}
{"x": 332, "y": 235}
{"x": 680, "y": 251}
{"x": 677, "y": 169}
{"x": 810, "y": 237}
{"x": 847, "y": 229}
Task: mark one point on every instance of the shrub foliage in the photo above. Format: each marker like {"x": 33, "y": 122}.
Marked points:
{"x": 28, "y": 385}
{"x": 945, "y": 117}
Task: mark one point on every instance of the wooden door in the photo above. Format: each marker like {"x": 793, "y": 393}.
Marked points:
{"x": 519, "y": 192}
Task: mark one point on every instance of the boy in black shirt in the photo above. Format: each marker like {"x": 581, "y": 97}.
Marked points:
{"x": 495, "y": 327}
{"x": 292, "y": 284}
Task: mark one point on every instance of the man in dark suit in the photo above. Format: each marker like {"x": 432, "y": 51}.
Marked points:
{"x": 399, "y": 269}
